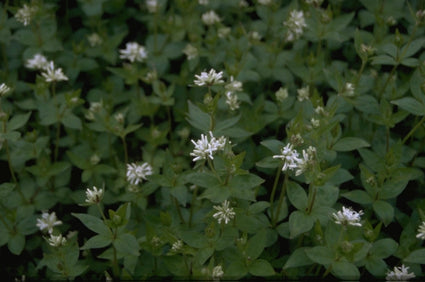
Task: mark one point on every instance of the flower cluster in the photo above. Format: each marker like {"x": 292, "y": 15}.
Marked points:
{"x": 134, "y": 52}
{"x": 399, "y": 274}
{"x": 209, "y": 78}
{"x": 49, "y": 71}
{"x": 136, "y": 173}
{"x": 217, "y": 272}
{"x": 295, "y": 25}
{"x": 94, "y": 196}
{"x": 152, "y": 6}
{"x": 210, "y": 18}
{"x": 347, "y": 217}
{"x": 24, "y": 14}
{"x": 48, "y": 221}
{"x": 4, "y": 89}
{"x": 303, "y": 93}
{"x": 292, "y": 161}
{"x": 56, "y": 241}
{"x": 94, "y": 39}
{"x": 281, "y": 94}
{"x": 224, "y": 213}
{"x": 231, "y": 98}
{"x": 421, "y": 231}
{"x": 177, "y": 246}
{"x": 190, "y": 51}
{"x": 205, "y": 148}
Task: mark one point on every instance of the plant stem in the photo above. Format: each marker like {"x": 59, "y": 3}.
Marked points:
{"x": 125, "y": 149}
{"x": 179, "y": 212}
{"x": 413, "y": 130}
{"x": 192, "y": 204}
{"x": 281, "y": 197}
{"x": 276, "y": 180}
{"x": 312, "y": 197}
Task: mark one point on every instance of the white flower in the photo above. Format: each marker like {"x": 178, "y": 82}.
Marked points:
{"x": 289, "y": 157}
{"x": 243, "y": 4}
{"x": 320, "y": 111}
{"x": 265, "y": 2}
{"x": 204, "y": 148}
{"x": 315, "y": 122}
{"x": 48, "y": 221}
{"x": 94, "y": 159}
{"x": 94, "y": 196}
{"x": 210, "y": 18}
{"x": 190, "y": 51}
{"x": 94, "y": 39}
{"x": 303, "y": 93}
{"x": 135, "y": 172}
{"x": 56, "y": 241}
{"x": 306, "y": 160}
{"x": 254, "y": 35}
{"x": 421, "y": 231}
{"x": 24, "y": 14}
{"x": 233, "y": 85}
{"x": 52, "y": 74}
{"x": 95, "y": 107}
{"x": 222, "y": 32}
{"x": 133, "y": 52}
{"x": 281, "y": 94}
{"x": 347, "y": 217}
{"x": 232, "y": 101}
{"x": 37, "y": 62}
{"x": 177, "y": 246}
{"x": 4, "y": 89}
{"x": 224, "y": 213}
{"x": 348, "y": 89}
{"x": 314, "y": 2}
{"x": 295, "y": 24}
{"x": 209, "y": 79}
{"x": 217, "y": 272}
{"x": 152, "y": 6}
{"x": 399, "y": 274}
{"x": 203, "y": 2}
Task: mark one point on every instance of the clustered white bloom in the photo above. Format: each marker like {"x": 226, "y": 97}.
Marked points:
{"x": 190, "y": 51}
{"x": 305, "y": 161}
{"x": 223, "y": 32}
{"x": 295, "y": 24}
{"x": 203, "y": 2}
{"x": 152, "y": 6}
{"x": 348, "y": 90}
{"x": 347, "y": 217}
{"x": 95, "y": 107}
{"x": 265, "y": 2}
{"x": 289, "y": 156}
{"x": 315, "y": 122}
{"x": 233, "y": 85}
{"x": 399, "y": 274}
{"x": 224, "y": 212}
{"x": 38, "y": 62}
{"x": 254, "y": 35}
{"x": 231, "y": 97}
{"x": 48, "y": 221}
{"x": 177, "y": 246}
{"x": 4, "y": 89}
{"x": 210, "y": 18}
{"x": 133, "y": 52}
{"x": 56, "y": 241}
{"x": 136, "y": 173}
{"x": 303, "y": 93}
{"x": 421, "y": 231}
{"x": 204, "y": 148}
{"x": 94, "y": 195}
{"x": 52, "y": 74}
{"x": 94, "y": 39}
{"x": 281, "y": 94}
{"x": 209, "y": 78}
{"x": 217, "y": 272}
{"x": 24, "y": 14}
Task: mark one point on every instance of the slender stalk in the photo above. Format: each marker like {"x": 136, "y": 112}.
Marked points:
{"x": 192, "y": 205}
{"x": 312, "y": 197}
{"x": 211, "y": 166}
{"x": 356, "y": 82}
{"x": 387, "y": 81}
{"x": 276, "y": 181}
{"x": 179, "y": 212}
{"x": 281, "y": 197}
{"x": 413, "y": 130}
{"x": 125, "y": 149}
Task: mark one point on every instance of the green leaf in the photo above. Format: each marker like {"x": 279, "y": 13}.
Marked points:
{"x": 410, "y": 49}
{"x": 93, "y": 223}
{"x": 358, "y": 196}
{"x": 297, "y": 196}
{"x": 273, "y": 145}
{"x": 127, "y": 244}
{"x": 261, "y": 267}
{"x": 299, "y": 222}
{"x": 97, "y": 241}
{"x": 298, "y": 258}
{"x": 198, "y": 118}
{"x": 17, "y": 121}
{"x": 16, "y": 244}
{"x": 376, "y": 266}
{"x": 384, "y": 248}
{"x": 384, "y": 211}
{"x": 236, "y": 270}
{"x": 321, "y": 255}
{"x": 72, "y": 121}
{"x": 417, "y": 256}
{"x": 347, "y": 144}
{"x": 224, "y": 124}
{"x": 5, "y": 189}
{"x": 411, "y": 105}
{"x": 256, "y": 245}
{"x": 258, "y": 207}
{"x": 345, "y": 270}
{"x": 203, "y": 254}
{"x": 245, "y": 181}
{"x": 383, "y": 60}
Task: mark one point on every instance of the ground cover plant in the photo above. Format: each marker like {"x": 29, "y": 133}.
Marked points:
{"x": 212, "y": 139}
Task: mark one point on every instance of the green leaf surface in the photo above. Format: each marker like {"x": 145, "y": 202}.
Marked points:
{"x": 261, "y": 267}
{"x": 297, "y": 196}
{"x": 127, "y": 244}
{"x": 97, "y": 241}
{"x": 299, "y": 222}
{"x": 347, "y": 144}
{"x": 345, "y": 270}
{"x": 384, "y": 211}
{"x": 411, "y": 105}
{"x": 417, "y": 256}
{"x": 93, "y": 223}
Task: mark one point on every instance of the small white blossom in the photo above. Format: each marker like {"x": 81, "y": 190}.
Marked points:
{"x": 95, "y": 107}
{"x": 314, "y": 2}
{"x": 209, "y": 79}
{"x": 48, "y": 221}
{"x": 24, "y": 14}
{"x": 233, "y": 85}
{"x": 315, "y": 122}
{"x": 295, "y": 25}
{"x": 4, "y": 89}
{"x": 254, "y": 35}
{"x": 119, "y": 117}
{"x": 133, "y": 52}
{"x": 152, "y": 6}
{"x": 217, "y": 272}
{"x": 289, "y": 156}
{"x": 204, "y": 148}
{"x": 320, "y": 111}
{"x": 224, "y": 213}
{"x": 37, "y": 62}
{"x": 232, "y": 101}
{"x": 303, "y": 93}
{"x": 399, "y": 274}
{"x": 347, "y": 217}
{"x": 243, "y": 4}
{"x": 306, "y": 160}
{"x": 190, "y": 51}
{"x": 94, "y": 159}
{"x": 223, "y": 32}
{"x": 94, "y": 195}
{"x": 348, "y": 89}
{"x": 265, "y": 2}
{"x": 203, "y": 2}
{"x": 281, "y": 94}
{"x": 210, "y": 18}
{"x": 177, "y": 246}
{"x": 52, "y": 74}
{"x": 56, "y": 241}
{"x": 421, "y": 231}
{"x": 136, "y": 173}
{"x": 94, "y": 39}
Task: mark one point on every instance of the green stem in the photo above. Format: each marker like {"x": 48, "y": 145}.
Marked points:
{"x": 312, "y": 197}
{"x": 356, "y": 82}
{"x": 281, "y": 197}
{"x": 125, "y": 149}
{"x": 413, "y": 130}
{"x": 179, "y": 212}
{"x": 115, "y": 268}
{"x": 211, "y": 166}
{"x": 387, "y": 81}
{"x": 276, "y": 180}
{"x": 192, "y": 205}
